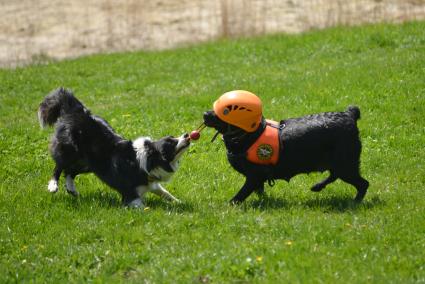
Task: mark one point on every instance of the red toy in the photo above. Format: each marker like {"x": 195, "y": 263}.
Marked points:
{"x": 195, "y": 134}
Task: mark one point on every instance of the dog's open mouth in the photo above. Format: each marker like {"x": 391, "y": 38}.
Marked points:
{"x": 182, "y": 148}
{"x": 182, "y": 144}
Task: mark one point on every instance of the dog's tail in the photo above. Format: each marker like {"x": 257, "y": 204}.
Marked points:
{"x": 354, "y": 111}
{"x": 59, "y": 102}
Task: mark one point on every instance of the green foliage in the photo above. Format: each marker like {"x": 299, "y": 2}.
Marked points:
{"x": 290, "y": 236}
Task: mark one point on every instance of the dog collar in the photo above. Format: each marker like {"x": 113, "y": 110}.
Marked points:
{"x": 265, "y": 150}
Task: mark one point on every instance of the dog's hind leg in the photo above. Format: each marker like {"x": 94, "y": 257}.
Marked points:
{"x": 133, "y": 198}
{"x": 70, "y": 185}
{"x": 359, "y": 183}
{"x": 348, "y": 167}
{"x": 53, "y": 185}
{"x": 321, "y": 185}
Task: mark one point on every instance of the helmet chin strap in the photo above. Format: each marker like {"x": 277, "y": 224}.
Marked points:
{"x": 234, "y": 135}
{"x": 215, "y": 136}
{"x": 230, "y": 132}
{"x": 237, "y": 134}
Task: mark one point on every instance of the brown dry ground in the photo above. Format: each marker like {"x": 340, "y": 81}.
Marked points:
{"x": 57, "y": 29}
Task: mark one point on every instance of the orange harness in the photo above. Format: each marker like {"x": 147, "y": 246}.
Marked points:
{"x": 265, "y": 151}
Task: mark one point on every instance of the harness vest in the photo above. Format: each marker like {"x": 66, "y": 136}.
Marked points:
{"x": 265, "y": 151}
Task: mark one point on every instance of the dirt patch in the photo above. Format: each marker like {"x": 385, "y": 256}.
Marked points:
{"x": 60, "y": 29}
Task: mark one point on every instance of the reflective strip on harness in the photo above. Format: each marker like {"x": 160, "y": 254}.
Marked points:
{"x": 265, "y": 151}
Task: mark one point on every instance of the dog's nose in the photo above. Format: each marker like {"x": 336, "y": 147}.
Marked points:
{"x": 186, "y": 135}
{"x": 207, "y": 116}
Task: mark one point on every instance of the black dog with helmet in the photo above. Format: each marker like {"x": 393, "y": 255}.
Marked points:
{"x": 264, "y": 150}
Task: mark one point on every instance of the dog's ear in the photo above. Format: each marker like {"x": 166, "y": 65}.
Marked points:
{"x": 146, "y": 153}
{"x": 167, "y": 147}
{"x": 149, "y": 164}
{"x": 152, "y": 156}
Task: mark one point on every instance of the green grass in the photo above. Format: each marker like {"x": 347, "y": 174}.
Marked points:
{"x": 291, "y": 236}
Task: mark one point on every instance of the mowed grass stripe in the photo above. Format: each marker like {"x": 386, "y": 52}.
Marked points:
{"x": 293, "y": 235}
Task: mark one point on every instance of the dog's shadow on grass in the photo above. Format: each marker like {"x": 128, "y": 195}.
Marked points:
{"x": 178, "y": 207}
{"x": 110, "y": 200}
{"x": 325, "y": 204}
{"x": 89, "y": 199}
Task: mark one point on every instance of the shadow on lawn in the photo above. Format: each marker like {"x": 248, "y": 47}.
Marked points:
{"x": 325, "y": 204}
{"x": 156, "y": 202}
{"x": 107, "y": 199}
{"x": 341, "y": 204}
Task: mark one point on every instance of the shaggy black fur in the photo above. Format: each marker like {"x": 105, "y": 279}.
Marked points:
{"x": 85, "y": 143}
{"x": 319, "y": 142}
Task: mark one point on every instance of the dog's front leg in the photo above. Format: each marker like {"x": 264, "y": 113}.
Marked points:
{"x": 159, "y": 190}
{"x": 53, "y": 183}
{"x": 246, "y": 190}
{"x": 136, "y": 198}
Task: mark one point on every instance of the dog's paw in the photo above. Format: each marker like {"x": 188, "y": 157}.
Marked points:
{"x": 73, "y": 192}
{"x": 235, "y": 202}
{"x": 361, "y": 191}
{"x": 359, "y": 197}
{"x": 70, "y": 187}
{"x": 176, "y": 201}
{"x": 53, "y": 186}
{"x": 136, "y": 203}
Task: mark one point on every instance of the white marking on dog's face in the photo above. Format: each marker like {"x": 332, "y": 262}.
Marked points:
{"x": 53, "y": 186}
{"x": 175, "y": 152}
{"x": 182, "y": 145}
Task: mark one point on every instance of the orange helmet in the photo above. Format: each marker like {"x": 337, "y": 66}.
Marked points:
{"x": 240, "y": 108}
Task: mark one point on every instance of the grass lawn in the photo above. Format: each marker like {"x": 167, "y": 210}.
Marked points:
{"x": 292, "y": 235}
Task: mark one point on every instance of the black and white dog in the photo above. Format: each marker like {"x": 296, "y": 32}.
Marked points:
{"x": 84, "y": 143}
{"x": 319, "y": 142}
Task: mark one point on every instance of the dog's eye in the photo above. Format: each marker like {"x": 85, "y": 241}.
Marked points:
{"x": 171, "y": 144}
